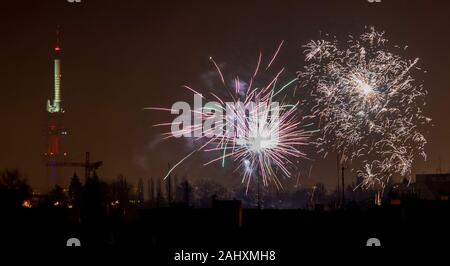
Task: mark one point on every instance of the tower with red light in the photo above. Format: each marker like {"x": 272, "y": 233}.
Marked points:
{"x": 55, "y": 131}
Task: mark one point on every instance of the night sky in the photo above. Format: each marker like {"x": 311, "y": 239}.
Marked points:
{"x": 122, "y": 56}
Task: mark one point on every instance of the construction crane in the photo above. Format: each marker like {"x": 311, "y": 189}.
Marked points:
{"x": 87, "y": 165}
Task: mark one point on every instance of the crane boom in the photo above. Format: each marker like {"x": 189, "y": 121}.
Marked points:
{"x": 87, "y": 165}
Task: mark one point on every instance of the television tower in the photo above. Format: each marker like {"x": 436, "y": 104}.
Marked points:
{"x": 55, "y": 112}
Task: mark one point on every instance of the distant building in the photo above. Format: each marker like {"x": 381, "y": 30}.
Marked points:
{"x": 433, "y": 186}
{"x": 229, "y": 212}
{"x": 402, "y": 191}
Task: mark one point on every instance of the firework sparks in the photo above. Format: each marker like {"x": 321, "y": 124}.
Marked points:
{"x": 251, "y": 129}
{"x": 367, "y": 103}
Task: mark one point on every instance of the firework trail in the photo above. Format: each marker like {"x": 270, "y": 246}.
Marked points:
{"x": 366, "y": 103}
{"x": 251, "y": 129}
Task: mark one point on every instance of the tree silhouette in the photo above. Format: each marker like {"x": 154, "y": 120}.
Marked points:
{"x": 140, "y": 191}
{"x": 94, "y": 200}
{"x": 120, "y": 192}
{"x": 14, "y": 189}
{"x": 183, "y": 192}
{"x": 57, "y": 197}
{"x": 75, "y": 189}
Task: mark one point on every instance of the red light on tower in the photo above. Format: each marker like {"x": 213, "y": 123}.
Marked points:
{"x": 55, "y": 153}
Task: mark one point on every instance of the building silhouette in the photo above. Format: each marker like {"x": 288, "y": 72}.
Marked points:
{"x": 433, "y": 186}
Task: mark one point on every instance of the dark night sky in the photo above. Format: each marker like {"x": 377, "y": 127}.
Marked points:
{"x": 122, "y": 56}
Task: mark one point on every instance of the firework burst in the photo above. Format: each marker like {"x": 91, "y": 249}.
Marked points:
{"x": 367, "y": 104}
{"x": 251, "y": 129}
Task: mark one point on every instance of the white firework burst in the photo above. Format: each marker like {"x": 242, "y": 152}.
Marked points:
{"x": 367, "y": 103}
